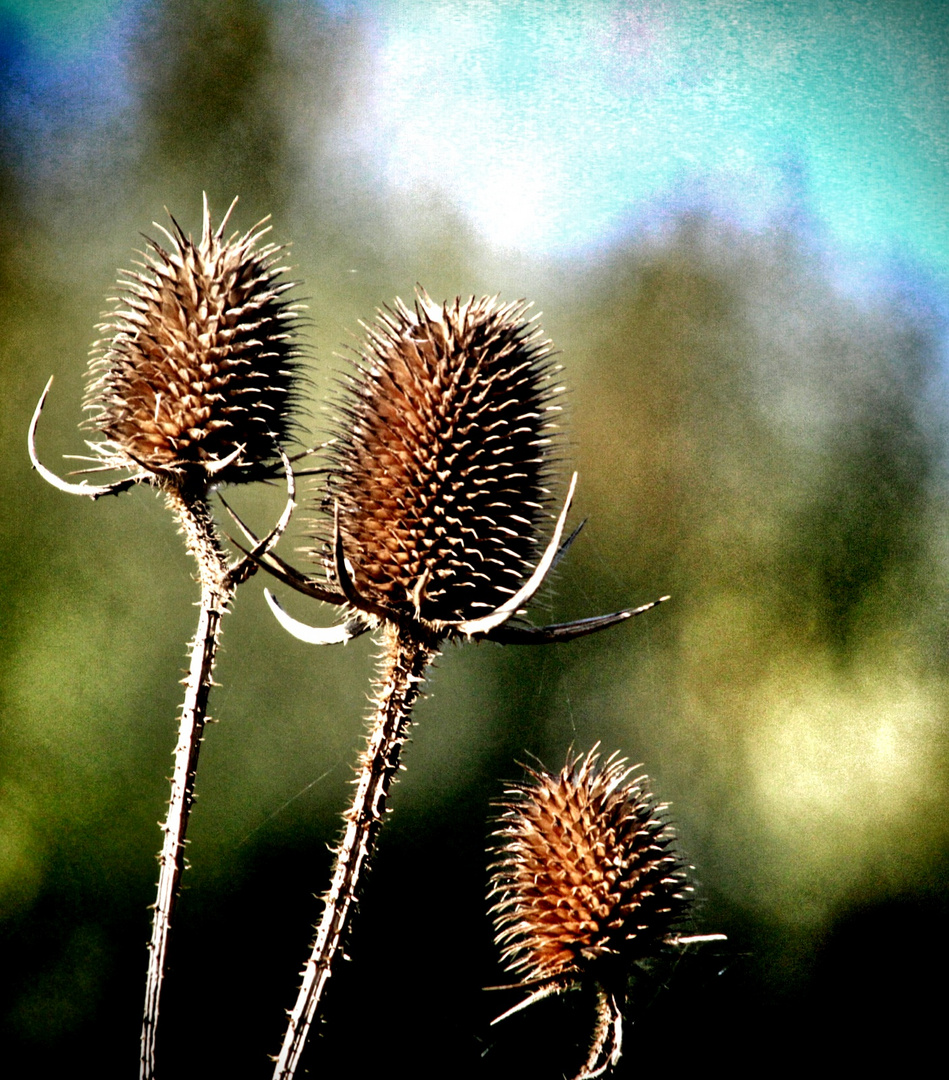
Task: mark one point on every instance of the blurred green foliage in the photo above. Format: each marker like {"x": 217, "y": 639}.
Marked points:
{"x": 767, "y": 450}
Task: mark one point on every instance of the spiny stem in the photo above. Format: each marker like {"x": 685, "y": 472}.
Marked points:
{"x": 402, "y": 673}
{"x": 217, "y": 588}
{"x": 607, "y": 1044}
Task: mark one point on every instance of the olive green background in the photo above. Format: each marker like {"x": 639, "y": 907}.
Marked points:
{"x": 749, "y": 439}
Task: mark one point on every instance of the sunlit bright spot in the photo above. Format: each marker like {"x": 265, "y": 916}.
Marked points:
{"x": 22, "y": 849}
{"x": 839, "y": 769}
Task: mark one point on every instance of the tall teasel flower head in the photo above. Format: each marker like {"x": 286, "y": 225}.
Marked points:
{"x": 197, "y": 381}
{"x": 442, "y": 458}
{"x": 194, "y": 387}
{"x": 198, "y": 378}
{"x": 439, "y": 478}
{"x": 432, "y": 527}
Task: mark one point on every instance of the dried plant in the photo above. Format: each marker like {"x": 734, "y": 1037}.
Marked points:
{"x": 434, "y": 515}
{"x": 586, "y": 883}
{"x": 195, "y": 387}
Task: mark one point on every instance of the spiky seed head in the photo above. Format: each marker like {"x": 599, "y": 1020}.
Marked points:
{"x": 442, "y": 460}
{"x": 587, "y": 879}
{"x": 197, "y": 381}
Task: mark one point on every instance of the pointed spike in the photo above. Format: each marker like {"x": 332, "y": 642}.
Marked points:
{"x": 679, "y": 940}
{"x": 289, "y": 575}
{"x": 542, "y": 635}
{"x": 566, "y": 545}
{"x": 537, "y": 995}
{"x": 237, "y": 520}
{"x": 282, "y": 570}
{"x": 241, "y": 570}
{"x": 226, "y": 218}
{"x": 215, "y": 467}
{"x": 206, "y": 221}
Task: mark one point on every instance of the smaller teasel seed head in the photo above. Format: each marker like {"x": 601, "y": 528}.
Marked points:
{"x": 197, "y": 381}
{"x": 443, "y": 454}
{"x": 587, "y": 879}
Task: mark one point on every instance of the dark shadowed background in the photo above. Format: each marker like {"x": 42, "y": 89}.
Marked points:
{"x": 734, "y": 220}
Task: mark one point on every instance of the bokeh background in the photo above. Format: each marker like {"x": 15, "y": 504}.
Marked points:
{"x": 733, "y": 217}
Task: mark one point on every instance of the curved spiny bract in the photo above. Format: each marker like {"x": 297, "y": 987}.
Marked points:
{"x": 442, "y": 461}
{"x": 438, "y": 489}
{"x": 198, "y": 380}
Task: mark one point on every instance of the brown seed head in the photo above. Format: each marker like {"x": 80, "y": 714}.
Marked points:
{"x": 442, "y": 458}
{"x": 198, "y": 380}
{"x": 587, "y": 878}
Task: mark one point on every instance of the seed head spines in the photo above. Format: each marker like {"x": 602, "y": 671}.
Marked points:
{"x": 443, "y": 457}
{"x": 197, "y": 378}
{"x": 586, "y": 876}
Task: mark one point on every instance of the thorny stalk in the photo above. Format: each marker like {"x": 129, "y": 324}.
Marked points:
{"x": 219, "y": 581}
{"x": 404, "y": 662}
{"x": 194, "y": 385}
{"x": 217, "y": 589}
{"x": 607, "y": 1044}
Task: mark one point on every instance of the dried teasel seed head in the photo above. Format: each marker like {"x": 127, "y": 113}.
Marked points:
{"x": 197, "y": 382}
{"x": 587, "y": 879}
{"x": 442, "y": 458}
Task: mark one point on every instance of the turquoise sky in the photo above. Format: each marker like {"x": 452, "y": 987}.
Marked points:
{"x": 555, "y": 126}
